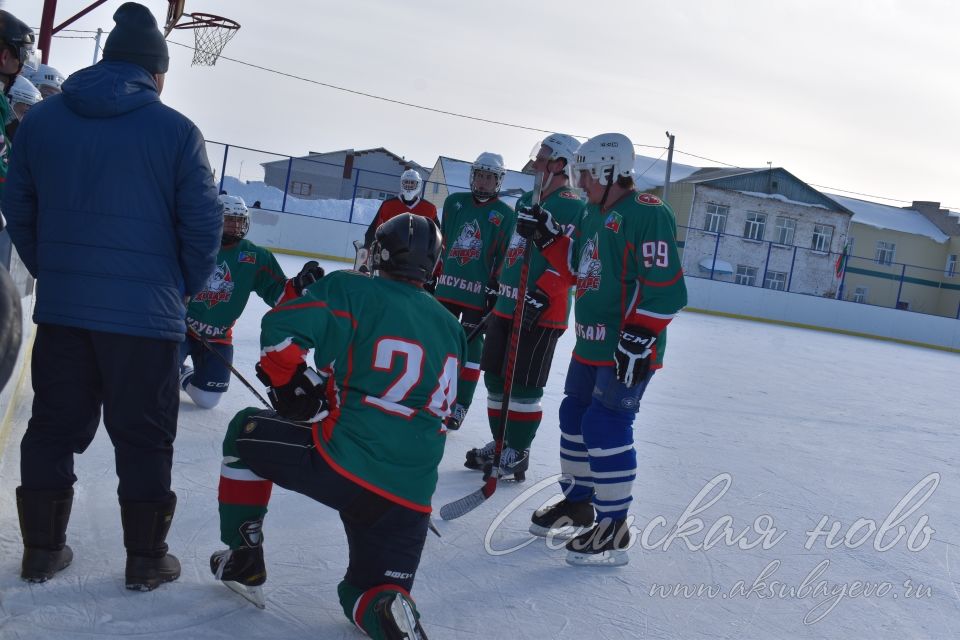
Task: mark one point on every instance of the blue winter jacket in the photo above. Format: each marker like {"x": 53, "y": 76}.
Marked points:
{"x": 111, "y": 205}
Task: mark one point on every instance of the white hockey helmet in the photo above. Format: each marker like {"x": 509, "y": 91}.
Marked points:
{"x": 410, "y": 183}
{"x": 558, "y": 145}
{"x": 234, "y": 210}
{"x": 47, "y": 79}
{"x": 491, "y": 163}
{"x": 607, "y": 157}
{"x": 23, "y": 92}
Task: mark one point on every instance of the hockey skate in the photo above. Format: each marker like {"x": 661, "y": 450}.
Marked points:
{"x": 604, "y": 545}
{"x": 455, "y": 419}
{"x": 562, "y": 520}
{"x": 513, "y": 465}
{"x": 242, "y": 571}
{"x": 398, "y": 620}
{"x": 480, "y": 457}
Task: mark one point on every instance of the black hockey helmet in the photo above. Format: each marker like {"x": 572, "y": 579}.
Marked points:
{"x": 407, "y": 246}
{"x": 15, "y": 33}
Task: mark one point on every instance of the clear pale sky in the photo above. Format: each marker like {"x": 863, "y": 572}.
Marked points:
{"x": 858, "y": 95}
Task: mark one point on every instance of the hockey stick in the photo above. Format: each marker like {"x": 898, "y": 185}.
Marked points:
{"x": 470, "y": 502}
{"x": 206, "y": 343}
{"x": 477, "y": 330}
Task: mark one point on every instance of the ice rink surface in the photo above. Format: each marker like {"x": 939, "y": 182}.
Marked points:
{"x": 791, "y": 484}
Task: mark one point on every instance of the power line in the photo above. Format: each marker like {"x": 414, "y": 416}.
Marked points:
{"x": 479, "y": 119}
{"x": 393, "y": 100}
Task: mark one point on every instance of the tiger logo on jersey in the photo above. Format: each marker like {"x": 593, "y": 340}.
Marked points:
{"x": 468, "y": 244}
{"x": 518, "y": 245}
{"x": 219, "y": 287}
{"x": 588, "y": 276}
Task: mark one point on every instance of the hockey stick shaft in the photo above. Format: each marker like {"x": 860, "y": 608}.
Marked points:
{"x": 470, "y": 502}
{"x": 206, "y": 343}
{"x": 477, "y": 330}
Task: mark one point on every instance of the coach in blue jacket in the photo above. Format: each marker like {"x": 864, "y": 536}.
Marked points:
{"x": 111, "y": 204}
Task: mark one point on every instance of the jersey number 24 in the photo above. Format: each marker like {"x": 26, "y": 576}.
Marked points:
{"x": 441, "y": 398}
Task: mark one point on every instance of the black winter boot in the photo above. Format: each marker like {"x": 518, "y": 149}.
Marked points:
{"x": 145, "y": 527}
{"x": 43, "y": 524}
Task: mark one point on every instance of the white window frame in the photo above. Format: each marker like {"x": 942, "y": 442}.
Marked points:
{"x": 859, "y": 295}
{"x": 746, "y": 275}
{"x": 755, "y": 226}
{"x": 886, "y": 252}
{"x": 775, "y": 280}
{"x": 784, "y": 230}
{"x": 822, "y": 237}
{"x": 716, "y": 220}
{"x": 950, "y": 270}
{"x": 298, "y": 188}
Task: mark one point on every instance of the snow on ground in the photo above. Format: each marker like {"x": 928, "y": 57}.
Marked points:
{"x": 805, "y": 426}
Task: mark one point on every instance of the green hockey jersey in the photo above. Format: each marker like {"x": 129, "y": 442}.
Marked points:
{"x": 566, "y": 207}
{"x": 627, "y": 272}
{"x": 475, "y": 237}
{"x": 241, "y": 269}
{"x": 394, "y": 353}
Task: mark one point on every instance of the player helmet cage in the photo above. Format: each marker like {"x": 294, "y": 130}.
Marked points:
{"x": 234, "y": 211}
{"x": 491, "y": 163}
{"x": 407, "y": 246}
{"x": 410, "y": 183}
{"x": 19, "y": 38}
{"x": 607, "y": 157}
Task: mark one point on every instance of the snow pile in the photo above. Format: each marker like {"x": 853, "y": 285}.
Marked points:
{"x": 271, "y": 199}
{"x": 650, "y": 173}
{"x": 781, "y": 198}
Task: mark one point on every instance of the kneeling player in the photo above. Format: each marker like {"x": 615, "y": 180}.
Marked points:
{"x": 373, "y": 458}
{"x": 242, "y": 267}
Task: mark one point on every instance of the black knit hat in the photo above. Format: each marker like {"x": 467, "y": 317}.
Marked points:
{"x": 137, "y": 39}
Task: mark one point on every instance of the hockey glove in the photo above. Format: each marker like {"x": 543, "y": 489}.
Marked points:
{"x": 311, "y": 272}
{"x": 303, "y": 399}
{"x": 537, "y": 225}
{"x": 534, "y": 304}
{"x": 633, "y": 355}
{"x": 490, "y": 296}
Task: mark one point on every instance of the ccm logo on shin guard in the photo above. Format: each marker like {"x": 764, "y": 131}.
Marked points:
{"x": 400, "y": 575}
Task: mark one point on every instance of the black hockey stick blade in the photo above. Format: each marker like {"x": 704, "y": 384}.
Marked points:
{"x": 466, "y": 504}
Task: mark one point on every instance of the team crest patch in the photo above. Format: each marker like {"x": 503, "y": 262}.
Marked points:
{"x": 495, "y": 218}
{"x": 468, "y": 244}
{"x": 219, "y": 287}
{"x": 247, "y": 256}
{"x": 515, "y": 251}
{"x": 588, "y": 276}
{"x": 569, "y": 195}
{"x": 648, "y": 199}
{"x": 613, "y": 222}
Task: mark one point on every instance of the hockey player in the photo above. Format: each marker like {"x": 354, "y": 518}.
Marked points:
{"x": 242, "y": 268}
{"x": 629, "y": 285}
{"x": 476, "y": 230}
{"x": 16, "y": 51}
{"x": 23, "y": 95}
{"x": 365, "y": 441}
{"x": 544, "y": 318}
{"x": 410, "y": 199}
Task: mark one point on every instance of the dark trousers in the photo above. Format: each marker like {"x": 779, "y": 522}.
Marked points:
{"x": 385, "y": 539}
{"x": 78, "y": 372}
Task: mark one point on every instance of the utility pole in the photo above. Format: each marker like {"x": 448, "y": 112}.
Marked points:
{"x": 96, "y": 46}
{"x": 666, "y": 179}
